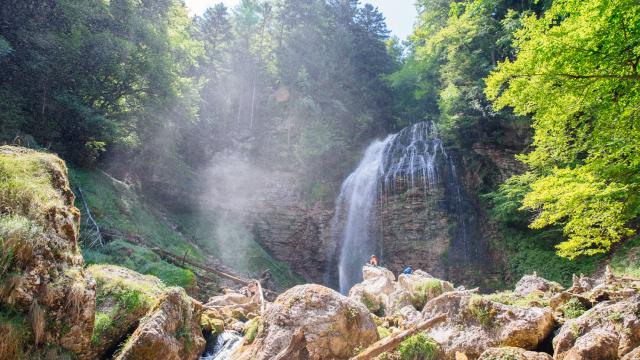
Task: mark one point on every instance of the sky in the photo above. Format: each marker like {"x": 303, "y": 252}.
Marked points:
{"x": 400, "y": 14}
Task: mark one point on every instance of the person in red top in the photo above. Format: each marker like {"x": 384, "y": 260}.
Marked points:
{"x": 373, "y": 261}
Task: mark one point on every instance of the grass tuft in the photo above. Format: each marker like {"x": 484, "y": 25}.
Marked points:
{"x": 419, "y": 346}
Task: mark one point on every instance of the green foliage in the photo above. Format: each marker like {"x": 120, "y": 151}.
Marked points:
{"x": 581, "y": 97}
{"x": 510, "y": 298}
{"x": 383, "y": 332}
{"x": 527, "y": 251}
{"x": 25, "y": 182}
{"x": 573, "y": 308}
{"x": 17, "y": 236}
{"x": 482, "y": 311}
{"x": 101, "y": 325}
{"x": 252, "y": 330}
{"x": 141, "y": 260}
{"x": 426, "y": 291}
{"x": 419, "y": 347}
{"x": 626, "y": 258}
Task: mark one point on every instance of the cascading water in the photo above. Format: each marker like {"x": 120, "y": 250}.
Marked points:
{"x": 413, "y": 159}
{"x": 222, "y": 347}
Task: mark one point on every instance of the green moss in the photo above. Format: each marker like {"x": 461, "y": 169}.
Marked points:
{"x": 17, "y": 237}
{"x": 482, "y": 311}
{"x": 372, "y": 304}
{"x": 419, "y": 346}
{"x": 573, "y": 308}
{"x": 383, "y": 332}
{"x": 25, "y": 182}
{"x": 141, "y": 260}
{"x": 425, "y": 292}
{"x": 252, "y": 330}
{"x": 102, "y": 324}
{"x": 510, "y": 298}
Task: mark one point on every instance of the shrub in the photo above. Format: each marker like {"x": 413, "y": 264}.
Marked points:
{"x": 419, "y": 347}
{"x": 252, "y": 330}
{"x": 425, "y": 292}
{"x": 482, "y": 311}
{"x": 573, "y": 308}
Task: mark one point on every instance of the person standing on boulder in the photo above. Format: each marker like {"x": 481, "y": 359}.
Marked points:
{"x": 373, "y": 261}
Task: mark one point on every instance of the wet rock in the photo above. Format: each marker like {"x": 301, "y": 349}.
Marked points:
{"x": 532, "y": 283}
{"x": 513, "y": 353}
{"x": 170, "y": 331}
{"x": 609, "y": 330}
{"x": 314, "y": 322}
{"x": 475, "y": 324}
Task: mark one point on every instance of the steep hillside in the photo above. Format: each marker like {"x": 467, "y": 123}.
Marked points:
{"x": 124, "y": 216}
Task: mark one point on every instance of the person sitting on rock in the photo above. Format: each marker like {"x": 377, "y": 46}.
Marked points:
{"x": 373, "y": 261}
{"x": 408, "y": 271}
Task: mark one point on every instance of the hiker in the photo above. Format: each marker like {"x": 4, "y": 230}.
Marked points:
{"x": 373, "y": 261}
{"x": 408, "y": 271}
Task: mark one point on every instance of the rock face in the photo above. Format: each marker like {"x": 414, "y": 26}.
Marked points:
{"x": 608, "y": 331}
{"x": 311, "y": 322}
{"x": 474, "y": 324}
{"x": 170, "y": 331}
{"x": 43, "y": 276}
{"x": 512, "y": 353}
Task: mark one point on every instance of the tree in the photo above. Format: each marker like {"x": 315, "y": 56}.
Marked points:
{"x": 576, "y": 73}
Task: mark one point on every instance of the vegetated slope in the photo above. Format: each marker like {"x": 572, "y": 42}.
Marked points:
{"x": 124, "y": 215}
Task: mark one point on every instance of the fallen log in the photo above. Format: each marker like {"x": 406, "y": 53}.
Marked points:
{"x": 392, "y": 341}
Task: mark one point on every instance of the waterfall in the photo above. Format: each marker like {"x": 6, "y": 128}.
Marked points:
{"x": 413, "y": 159}
{"x": 224, "y": 345}
{"x": 356, "y": 200}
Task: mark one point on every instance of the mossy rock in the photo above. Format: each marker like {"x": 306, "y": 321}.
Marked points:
{"x": 123, "y": 298}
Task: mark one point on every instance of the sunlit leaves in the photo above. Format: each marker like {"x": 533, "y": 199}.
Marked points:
{"x": 576, "y": 73}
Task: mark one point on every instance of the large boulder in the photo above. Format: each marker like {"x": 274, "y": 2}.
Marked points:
{"x": 383, "y": 295}
{"x": 232, "y": 306}
{"x": 534, "y": 283}
{"x": 475, "y": 324}
{"x": 513, "y": 353}
{"x": 374, "y": 291}
{"x": 41, "y": 271}
{"x": 311, "y": 321}
{"x": 170, "y": 331}
{"x": 123, "y": 298}
{"x": 609, "y": 330}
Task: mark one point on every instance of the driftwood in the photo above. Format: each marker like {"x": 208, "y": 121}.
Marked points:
{"x": 92, "y": 220}
{"x": 392, "y": 341}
